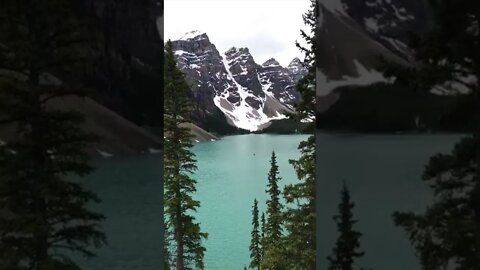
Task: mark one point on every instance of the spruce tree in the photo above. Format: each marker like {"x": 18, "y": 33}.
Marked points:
{"x": 274, "y": 221}
{"x": 447, "y": 234}
{"x": 255, "y": 248}
{"x": 273, "y": 228}
{"x": 44, "y": 209}
{"x": 299, "y": 216}
{"x": 306, "y": 86}
{"x": 179, "y": 165}
{"x": 262, "y": 236}
{"x": 348, "y": 242}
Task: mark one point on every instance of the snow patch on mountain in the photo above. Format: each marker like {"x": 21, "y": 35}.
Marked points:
{"x": 192, "y": 34}
{"x": 248, "y": 94}
{"x": 365, "y": 77}
{"x": 243, "y": 115}
{"x": 463, "y": 85}
{"x": 372, "y": 25}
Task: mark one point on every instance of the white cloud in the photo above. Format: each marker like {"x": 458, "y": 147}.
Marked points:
{"x": 268, "y": 28}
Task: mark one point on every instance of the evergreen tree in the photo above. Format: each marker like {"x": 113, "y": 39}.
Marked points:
{"x": 447, "y": 55}
{"x": 255, "y": 248}
{"x": 306, "y": 86}
{"x": 44, "y": 210}
{"x": 346, "y": 248}
{"x": 299, "y": 217}
{"x": 273, "y": 227}
{"x": 274, "y": 223}
{"x": 262, "y": 236}
{"x": 447, "y": 235}
{"x": 179, "y": 164}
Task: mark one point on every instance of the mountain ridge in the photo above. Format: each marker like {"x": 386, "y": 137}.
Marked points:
{"x": 248, "y": 94}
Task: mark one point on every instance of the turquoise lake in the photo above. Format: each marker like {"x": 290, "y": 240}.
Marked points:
{"x": 383, "y": 173}
{"x": 231, "y": 173}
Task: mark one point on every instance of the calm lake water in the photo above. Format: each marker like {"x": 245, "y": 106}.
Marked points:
{"x": 131, "y": 193}
{"x": 231, "y": 173}
{"x": 382, "y": 171}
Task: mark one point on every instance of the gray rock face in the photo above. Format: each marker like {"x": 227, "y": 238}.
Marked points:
{"x": 281, "y": 81}
{"x": 296, "y": 69}
{"x": 200, "y": 60}
{"x": 250, "y": 95}
{"x": 244, "y": 71}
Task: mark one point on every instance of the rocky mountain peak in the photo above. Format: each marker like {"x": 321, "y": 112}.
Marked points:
{"x": 296, "y": 69}
{"x": 195, "y": 34}
{"x": 241, "y": 55}
{"x": 271, "y": 63}
{"x": 248, "y": 94}
{"x": 295, "y": 62}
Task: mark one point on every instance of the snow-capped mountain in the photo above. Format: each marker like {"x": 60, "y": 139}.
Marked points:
{"x": 354, "y": 35}
{"x": 248, "y": 94}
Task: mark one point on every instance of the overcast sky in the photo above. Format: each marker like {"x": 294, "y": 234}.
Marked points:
{"x": 268, "y": 28}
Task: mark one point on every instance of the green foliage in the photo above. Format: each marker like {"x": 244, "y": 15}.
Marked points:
{"x": 274, "y": 229}
{"x": 306, "y": 86}
{"x": 255, "y": 247}
{"x": 273, "y": 226}
{"x": 179, "y": 164}
{"x": 299, "y": 243}
{"x": 300, "y": 215}
{"x": 348, "y": 242}
{"x": 44, "y": 212}
{"x": 288, "y": 234}
{"x": 262, "y": 236}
